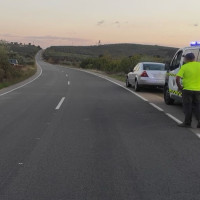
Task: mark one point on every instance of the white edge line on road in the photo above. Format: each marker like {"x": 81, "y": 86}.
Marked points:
{"x": 198, "y": 135}
{"x": 174, "y": 118}
{"x": 157, "y": 107}
{"x": 152, "y": 104}
{"x": 60, "y": 103}
{"x": 115, "y": 84}
{"x": 126, "y": 89}
{"x": 25, "y": 83}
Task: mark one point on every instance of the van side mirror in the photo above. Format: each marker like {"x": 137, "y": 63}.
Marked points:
{"x": 167, "y": 66}
{"x": 171, "y": 68}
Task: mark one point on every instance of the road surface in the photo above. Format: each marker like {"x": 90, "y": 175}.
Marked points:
{"x": 70, "y": 135}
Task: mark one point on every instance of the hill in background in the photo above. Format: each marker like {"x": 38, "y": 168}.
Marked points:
{"x": 112, "y": 58}
{"x": 114, "y": 50}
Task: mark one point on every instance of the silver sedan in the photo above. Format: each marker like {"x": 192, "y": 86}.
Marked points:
{"x": 146, "y": 74}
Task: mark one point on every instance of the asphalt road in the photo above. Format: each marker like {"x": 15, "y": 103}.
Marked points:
{"x": 70, "y": 135}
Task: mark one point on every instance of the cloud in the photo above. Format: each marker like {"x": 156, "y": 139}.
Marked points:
{"x": 7, "y": 35}
{"x": 45, "y": 37}
{"x": 100, "y": 22}
{"x": 117, "y": 23}
{"x": 49, "y": 37}
{"x": 46, "y": 40}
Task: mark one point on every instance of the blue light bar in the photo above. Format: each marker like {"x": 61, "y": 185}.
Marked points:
{"x": 194, "y": 44}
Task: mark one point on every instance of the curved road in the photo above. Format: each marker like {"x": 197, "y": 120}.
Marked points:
{"x": 70, "y": 135}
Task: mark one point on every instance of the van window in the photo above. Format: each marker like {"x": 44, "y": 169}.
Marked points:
{"x": 176, "y": 61}
{"x": 194, "y": 51}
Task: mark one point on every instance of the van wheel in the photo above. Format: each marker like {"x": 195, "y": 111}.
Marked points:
{"x": 167, "y": 98}
{"x": 127, "y": 83}
{"x": 137, "y": 87}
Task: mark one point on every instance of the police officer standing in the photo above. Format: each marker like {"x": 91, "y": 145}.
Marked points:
{"x": 190, "y": 75}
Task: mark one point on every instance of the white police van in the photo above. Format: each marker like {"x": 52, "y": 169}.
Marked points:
{"x": 171, "y": 92}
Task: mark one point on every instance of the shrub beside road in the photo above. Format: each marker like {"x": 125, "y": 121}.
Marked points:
{"x": 25, "y": 54}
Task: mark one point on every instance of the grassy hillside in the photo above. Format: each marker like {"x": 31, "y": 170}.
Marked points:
{"x": 78, "y": 53}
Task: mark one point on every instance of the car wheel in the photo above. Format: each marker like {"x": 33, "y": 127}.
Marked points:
{"x": 167, "y": 98}
{"x": 127, "y": 83}
{"x": 137, "y": 87}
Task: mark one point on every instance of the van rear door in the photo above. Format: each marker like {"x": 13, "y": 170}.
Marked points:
{"x": 174, "y": 68}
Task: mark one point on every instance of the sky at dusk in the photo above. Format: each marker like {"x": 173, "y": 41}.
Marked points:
{"x": 85, "y": 22}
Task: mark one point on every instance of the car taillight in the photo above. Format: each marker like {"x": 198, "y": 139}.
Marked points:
{"x": 144, "y": 74}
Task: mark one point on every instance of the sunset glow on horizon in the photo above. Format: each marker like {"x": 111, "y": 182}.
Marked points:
{"x": 85, "y": 22}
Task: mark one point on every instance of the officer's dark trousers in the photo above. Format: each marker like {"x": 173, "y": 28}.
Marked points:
{"x": 191, "y": 102}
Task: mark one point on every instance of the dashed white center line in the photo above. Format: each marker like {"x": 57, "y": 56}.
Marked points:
{"x": 158, "y": 108}
{"x": 60, "y": 103}
{"x": 68, "y": 82}
{"x": 66, "y": 75}
{"x": 174, "y": 118}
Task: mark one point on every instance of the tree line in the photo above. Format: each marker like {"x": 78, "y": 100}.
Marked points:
{"x": 112, "y": 65}
{"x": 23, "y": 53}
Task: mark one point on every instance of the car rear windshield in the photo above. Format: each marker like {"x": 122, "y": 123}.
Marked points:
{"x": 159, "y": 67}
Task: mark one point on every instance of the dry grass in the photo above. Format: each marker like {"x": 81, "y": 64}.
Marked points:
{"x": 24, "y": 73}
